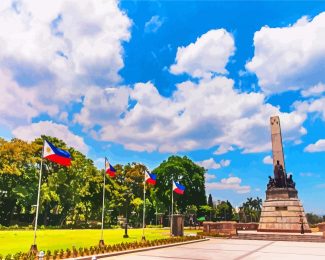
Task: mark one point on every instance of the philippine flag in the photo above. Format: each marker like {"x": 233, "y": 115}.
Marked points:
{"x": 109, "y": 169}
{"x": 55, "y": 154}
{"x": 151, "y": 178}
{"x": 178, "y": 188}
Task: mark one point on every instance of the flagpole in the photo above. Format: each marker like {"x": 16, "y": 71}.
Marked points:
{"x": 101, "y": 241}
{"x": 172, "y": 212}
{"x": 34, "y": 246}
{"x": 144, "y": 207}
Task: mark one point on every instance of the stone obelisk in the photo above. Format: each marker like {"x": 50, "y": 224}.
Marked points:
{"x": 282, "y": 211}
{"x": 276, "y": 137}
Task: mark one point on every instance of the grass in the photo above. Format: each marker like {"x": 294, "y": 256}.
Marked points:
{"x": 20, "y": 240}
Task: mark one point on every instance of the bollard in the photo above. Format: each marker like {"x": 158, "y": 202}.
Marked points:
{"x": 41, "y": 255}
{"x": 94, "y": 258}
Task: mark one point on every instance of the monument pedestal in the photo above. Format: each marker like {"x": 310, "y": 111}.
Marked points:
{"x": 282, "y": 211}
{"x": 177, "y": 225}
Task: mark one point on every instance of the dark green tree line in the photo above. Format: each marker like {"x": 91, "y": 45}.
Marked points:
{"x": 73, "y": 195}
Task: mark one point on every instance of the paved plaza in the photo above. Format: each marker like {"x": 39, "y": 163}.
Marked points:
{"x": 234, "y": 249}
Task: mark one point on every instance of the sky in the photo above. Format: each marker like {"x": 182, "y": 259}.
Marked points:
{"x": 143, "y": 80}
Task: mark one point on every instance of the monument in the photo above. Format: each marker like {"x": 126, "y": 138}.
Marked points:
{"x": 282, "y": 211}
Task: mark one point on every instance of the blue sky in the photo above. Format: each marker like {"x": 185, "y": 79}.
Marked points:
{"x": 142, "y": 80}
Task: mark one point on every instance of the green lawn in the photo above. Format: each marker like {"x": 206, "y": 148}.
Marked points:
{"x": 21, "y": 240}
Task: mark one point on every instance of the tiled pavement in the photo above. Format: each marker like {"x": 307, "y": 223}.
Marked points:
{"x": 234, "y": 249}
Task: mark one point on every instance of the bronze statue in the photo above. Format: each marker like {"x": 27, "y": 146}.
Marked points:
{"x": 279, "y": 175}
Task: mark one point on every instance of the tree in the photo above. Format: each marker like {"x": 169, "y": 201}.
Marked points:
{"x": 313, "y": 218}
{"x": 189, "y": 174}
{"x": 251, "y": 210}
{"x": 210, "y": 201}
{"x": 224, "y": 211}
{"x": 18, "y": 178}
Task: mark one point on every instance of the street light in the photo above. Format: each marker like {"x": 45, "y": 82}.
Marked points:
{"x": 128, "y": 193}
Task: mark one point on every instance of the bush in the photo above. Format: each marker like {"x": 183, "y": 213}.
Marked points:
{"x": 55, "y": 254}
{"x": 107, "y": 248}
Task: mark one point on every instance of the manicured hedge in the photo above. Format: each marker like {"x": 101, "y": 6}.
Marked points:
{"x": 93, "y": 250}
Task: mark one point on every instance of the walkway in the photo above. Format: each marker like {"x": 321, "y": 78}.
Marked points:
{"x": 234, "y": 249}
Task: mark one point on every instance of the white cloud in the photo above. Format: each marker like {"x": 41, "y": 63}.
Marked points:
{"x": 19, "y": 105}
{"x": 153, "y": 24}
{"x": 230, "y": 183}
{"x": 309, "y": 174}
{"x": 311, "y": 106}
{"x": 268, "y": 160}
{"x": 209, "y": 177}
{"x": 224, "y": 163}
{"x": 316, "y": 90}
{"x": 208, "y": 55}
{"x": 99, "y": 163}
{"x": 209, "y": 164}
{"x": 290, "y": 58}
{"x": 35, "y": 130}
{"x": 319, "y": 146}
{"x": 54, "y": 51}
{"x": 177, "y": 123}
{"x": 223, "y": 148}
{"x": 102, "y": 105}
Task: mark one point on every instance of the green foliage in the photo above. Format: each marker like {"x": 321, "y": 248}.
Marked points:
{"x": 71, "y": 196}
{"x": 210, "y": 201}
{"x": 313, "y": 218}
{"x": 189, "y": 174}
{"x": 250, "y": 211}
{"x": 224, "y": 211}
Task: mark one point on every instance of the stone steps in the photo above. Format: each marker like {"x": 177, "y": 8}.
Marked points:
{"x": 281, "y": 237}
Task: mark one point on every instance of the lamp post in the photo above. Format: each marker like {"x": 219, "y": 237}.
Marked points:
{"x": 126, "y": 215}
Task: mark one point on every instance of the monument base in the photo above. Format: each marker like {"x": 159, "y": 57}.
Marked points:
{"x": 282, "y": 211}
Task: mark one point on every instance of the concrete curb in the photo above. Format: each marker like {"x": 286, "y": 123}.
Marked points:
{"x": 139, "y": 250}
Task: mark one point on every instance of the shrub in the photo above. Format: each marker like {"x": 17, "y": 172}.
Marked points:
{"x": 81, "y": 251}
{"x": 8, "y": 257}
{"x": 55, "y": 254}
{"x": 61, "y": 254}
{"x": 68, "y": 252}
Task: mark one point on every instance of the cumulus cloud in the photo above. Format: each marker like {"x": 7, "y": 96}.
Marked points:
{"x": 35, "y": 130}
{"x": 153, "y": 24}
{"x": 224, "y": 163}
{"x": 102, "y": 105}
{"x": 316, "y": 106}
{"x": 176, "y": 123}
{"x": 316, "y": 90}
{"x": 222, "y": 149}
{"x": 19, "y": 105}
{"x": 268, "y": 160}
{"x": 209, "y": 164}
{"x": 56, "y": 50}
{"x": 212, "y": 164}
{"x": 290, "y": 58}
{"x": 230, "y": 183}
{"x": 209, "y": 177}
{"x": 309, "y": 174}
{"x": 319, "y": 146}
{"x": 207, "y": 56}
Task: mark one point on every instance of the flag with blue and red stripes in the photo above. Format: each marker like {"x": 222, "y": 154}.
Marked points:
{"x": 150, "y": 178}
{"x": 55, "y": 154}
{"x": 178, "y": 188}
{"x": 109, "y": 169}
